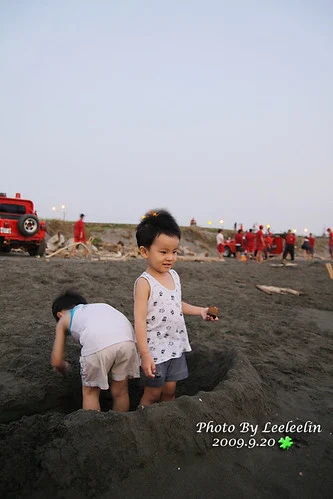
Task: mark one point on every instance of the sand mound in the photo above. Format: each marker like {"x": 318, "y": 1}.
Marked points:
{"x": 74, "y": 452}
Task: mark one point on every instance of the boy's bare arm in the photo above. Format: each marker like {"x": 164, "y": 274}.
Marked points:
{"x": 188, "y": 309}
{"x": 141, "y": 296}
{"x": 57, "y": 355}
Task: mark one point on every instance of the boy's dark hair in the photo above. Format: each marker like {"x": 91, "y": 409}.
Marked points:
{"x": 66, "y": 301}
{"x": 153, "y": 224}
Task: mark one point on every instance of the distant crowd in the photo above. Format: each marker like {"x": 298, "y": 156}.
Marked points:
{"x": 257, "y": 245}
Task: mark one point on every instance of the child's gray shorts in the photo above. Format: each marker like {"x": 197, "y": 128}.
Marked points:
{"x": 170, "y": 370}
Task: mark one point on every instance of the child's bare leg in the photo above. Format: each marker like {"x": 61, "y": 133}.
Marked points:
{"x": 90, "y": 395}
{"x": 151, "y": 395}
{"x": 119, "y": 392}
{"x": 168, "y": 392}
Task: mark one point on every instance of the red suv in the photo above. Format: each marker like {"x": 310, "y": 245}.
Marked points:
{"x": 20, "y": 226}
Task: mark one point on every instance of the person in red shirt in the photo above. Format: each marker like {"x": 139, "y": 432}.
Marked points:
{"x": 249, "y": 237}
{"x": 312, "y": 242}
{"x": 260, "y": 244}
{"x": 268, "y": 244}
{"x": 289, "y": 246}
{"x": 330, "y": 242}
{"x": 79, "y": 233}
{"x": 239, "y": 244}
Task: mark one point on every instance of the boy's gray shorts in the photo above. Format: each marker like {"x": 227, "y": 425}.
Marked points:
{"x": 170, "y": 370}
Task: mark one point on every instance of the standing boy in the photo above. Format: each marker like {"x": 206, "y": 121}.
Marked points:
{"x": 159, "y": 310}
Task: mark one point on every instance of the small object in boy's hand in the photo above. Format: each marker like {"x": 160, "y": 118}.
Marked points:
{"x": 157, "y": 375}
{"x": 64, "y": 369}
{"x": 68, "y": 367}
{"x": 213, "y": 312}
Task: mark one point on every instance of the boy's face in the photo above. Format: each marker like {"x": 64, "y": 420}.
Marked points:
{"x": 162, "y": 254}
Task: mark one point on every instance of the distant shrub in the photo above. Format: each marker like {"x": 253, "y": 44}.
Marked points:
{"x": 97, "y": 241}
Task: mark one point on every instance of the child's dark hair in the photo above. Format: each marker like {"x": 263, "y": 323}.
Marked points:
{"x": 66, "y": 301}
{"x": 153, "y": 224}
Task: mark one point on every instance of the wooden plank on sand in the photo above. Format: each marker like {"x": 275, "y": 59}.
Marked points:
{"x": 329, "y": 269}
{"x": 275, "y": 289}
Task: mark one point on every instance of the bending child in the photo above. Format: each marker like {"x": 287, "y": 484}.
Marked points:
{"x": 108, "y": 346}
{"x": 158, "y": 310}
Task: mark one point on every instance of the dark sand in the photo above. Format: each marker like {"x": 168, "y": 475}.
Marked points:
{"x": 269, "y": 358}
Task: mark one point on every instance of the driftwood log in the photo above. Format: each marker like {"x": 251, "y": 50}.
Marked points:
{"x": 329, "y": 269}
{"x": 281, "y": 291}
{"x": 283, "y": 264}
{"x": 67, "y": 247}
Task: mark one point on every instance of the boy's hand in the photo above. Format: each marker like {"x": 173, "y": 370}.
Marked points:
{"x": 206, "y": 316}
{"x": 148, "y": 365}
{"x": 63, "y": 368}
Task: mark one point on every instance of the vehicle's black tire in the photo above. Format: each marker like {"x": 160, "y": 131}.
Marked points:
{"x": 38, "y": 250}
{"x": 227, "y": 251}
{"x": 28, "y": 225}
{"x": 33, "y": 251}
{"x": 5, "y": 249}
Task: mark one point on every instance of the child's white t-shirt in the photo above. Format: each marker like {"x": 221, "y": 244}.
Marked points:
{"x": 220, "y": 238}
{"x": 166, "y": 331}
{"x": 98, "y": 325}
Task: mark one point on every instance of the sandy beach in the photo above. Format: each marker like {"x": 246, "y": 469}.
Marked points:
{"x": 266, "y": 362}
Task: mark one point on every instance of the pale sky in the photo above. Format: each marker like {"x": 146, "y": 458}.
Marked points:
{"x": 215, "y": 109}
